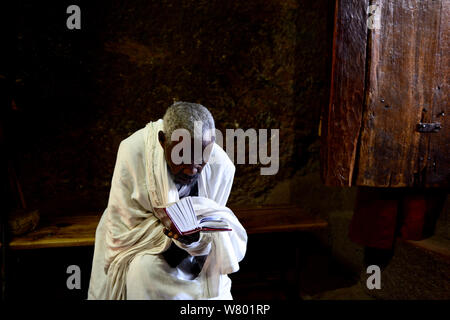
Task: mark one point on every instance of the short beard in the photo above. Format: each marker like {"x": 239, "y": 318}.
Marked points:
{"x": 175, "y": 178}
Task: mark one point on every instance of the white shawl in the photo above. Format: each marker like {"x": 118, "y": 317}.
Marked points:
{"x": 128, "y": 227}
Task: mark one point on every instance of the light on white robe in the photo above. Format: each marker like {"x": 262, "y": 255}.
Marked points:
{"x": 129, "y": 236}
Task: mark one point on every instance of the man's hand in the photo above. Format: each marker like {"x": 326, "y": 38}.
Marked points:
{"x": 188, "y": 239}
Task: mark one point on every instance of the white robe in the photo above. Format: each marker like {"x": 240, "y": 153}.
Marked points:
{"x": 129, "y": 239}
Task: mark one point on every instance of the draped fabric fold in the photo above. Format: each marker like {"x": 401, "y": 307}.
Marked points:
{"x": 128, "y": 228}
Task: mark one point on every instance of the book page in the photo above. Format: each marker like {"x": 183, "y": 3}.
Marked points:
{"x": 212, "y": 223}
{"x": 189, "y": 211}
{"x": 175, "y": 216}
{"x": 183, "y": 216}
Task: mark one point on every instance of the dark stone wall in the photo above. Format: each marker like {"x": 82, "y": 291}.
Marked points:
{"x": 78, "y": 93}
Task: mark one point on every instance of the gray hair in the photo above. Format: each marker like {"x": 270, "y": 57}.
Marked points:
{"x": 183, "y": 115}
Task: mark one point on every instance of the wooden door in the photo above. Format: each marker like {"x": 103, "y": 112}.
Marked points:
{"x": 387, "y": 123}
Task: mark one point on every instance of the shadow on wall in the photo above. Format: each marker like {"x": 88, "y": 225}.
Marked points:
{"x": 255, "y": 64}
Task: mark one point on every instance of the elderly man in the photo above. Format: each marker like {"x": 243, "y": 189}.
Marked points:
{"x": 135, "y": 256}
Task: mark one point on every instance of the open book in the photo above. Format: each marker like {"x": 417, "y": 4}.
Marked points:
{"x": 179, "y": 217}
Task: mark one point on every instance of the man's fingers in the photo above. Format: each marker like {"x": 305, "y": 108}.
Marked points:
{"x": 171, "y": 234}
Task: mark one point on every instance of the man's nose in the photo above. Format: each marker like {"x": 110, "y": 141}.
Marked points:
{"x": 190, "y": 171}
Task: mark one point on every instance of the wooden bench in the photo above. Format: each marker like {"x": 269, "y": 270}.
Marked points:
{"x": 74, "y": 231}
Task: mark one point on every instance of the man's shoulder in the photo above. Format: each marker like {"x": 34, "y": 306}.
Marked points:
{"x": 135, "y": 142}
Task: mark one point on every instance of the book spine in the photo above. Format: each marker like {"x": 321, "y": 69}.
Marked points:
{"x": 173, "y": 226}
{"x": 191, "y": 231}
{"x": 216, "y": 229}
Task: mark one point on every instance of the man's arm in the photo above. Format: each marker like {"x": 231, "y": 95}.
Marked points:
{"x": 128, "y": 206}
{"x": 199, "y": 243}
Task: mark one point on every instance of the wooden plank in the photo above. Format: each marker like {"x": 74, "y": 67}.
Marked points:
{"x": 277, "y": 219}
{"x": 407, "y": 84}
{"x": 73, "y": 231}
{"x": 341, "y": 121}
{"x": 437, "y": 161}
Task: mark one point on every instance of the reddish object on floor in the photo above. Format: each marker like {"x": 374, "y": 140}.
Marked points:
{"x": 382, "y": 214}
{"x": 414, "y": 208}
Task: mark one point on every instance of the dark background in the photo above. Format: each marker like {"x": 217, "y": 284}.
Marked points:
{"x": 70, "y": 96}
{"x": 78, "y": 93}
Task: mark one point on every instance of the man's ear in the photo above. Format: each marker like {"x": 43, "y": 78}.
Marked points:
{"x": 161, "y": 138}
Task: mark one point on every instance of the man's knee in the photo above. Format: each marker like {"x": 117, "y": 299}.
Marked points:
{"x": 142, "y": 267}
{"x": 140, "y": 270}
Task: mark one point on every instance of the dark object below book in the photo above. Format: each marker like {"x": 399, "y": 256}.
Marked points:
{"x": 177, "y": 257}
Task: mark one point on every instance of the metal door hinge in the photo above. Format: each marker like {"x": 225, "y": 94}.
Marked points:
{"x": 428, "y": 127}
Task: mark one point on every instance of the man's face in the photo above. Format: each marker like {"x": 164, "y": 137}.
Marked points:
{"x": 184, "y": 173}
